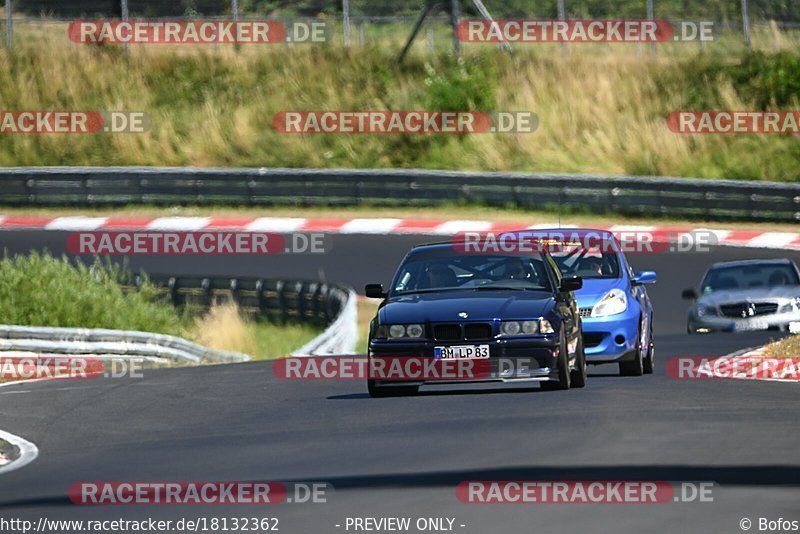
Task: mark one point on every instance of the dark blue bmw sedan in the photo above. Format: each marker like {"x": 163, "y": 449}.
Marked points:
{"x": 514, "y": 314}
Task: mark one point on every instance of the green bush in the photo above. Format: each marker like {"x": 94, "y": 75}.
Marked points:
{"x": 460, "y": 85}
{"x": 764, "y": 80}
{"x": 40, "y": 290}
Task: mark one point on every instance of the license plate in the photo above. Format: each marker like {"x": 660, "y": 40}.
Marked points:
{"x": 459, "y": 352}
{"x": 794, "y": 327}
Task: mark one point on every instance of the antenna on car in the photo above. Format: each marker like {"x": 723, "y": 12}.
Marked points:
{"x": 454, "y": 10}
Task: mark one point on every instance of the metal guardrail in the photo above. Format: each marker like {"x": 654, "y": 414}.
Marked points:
{"x": 275, "y": 300}
{"x": 278, "y": 301}
{"x": 629, "y": 195}
{"x": 110, "y": 344}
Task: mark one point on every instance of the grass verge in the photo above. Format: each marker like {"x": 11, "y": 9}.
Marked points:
{"x": 224, "y": 328}
{"x": 786, "y": 348}
{"x": 601, "y": 109}
{"x": 41, "y": 290}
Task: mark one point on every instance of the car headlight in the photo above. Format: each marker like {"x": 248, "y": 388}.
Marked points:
{"x": 703, "y": 310}
{"x": 612, "y": 303}
{"x": 398, "y": 331}
{"x": 414, "y": 330}
{"x": 524, "y": 328}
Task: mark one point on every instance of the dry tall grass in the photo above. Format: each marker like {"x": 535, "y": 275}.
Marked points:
{"x": 224, "y": 328}
{"x": 601, "y": 109}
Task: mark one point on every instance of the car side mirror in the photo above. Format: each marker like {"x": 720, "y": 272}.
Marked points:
{"x": 689, "y": 294}
{"x": 644, "y": 277}
{"x": 375, "y": 291}
{"x": 571, "y": 283}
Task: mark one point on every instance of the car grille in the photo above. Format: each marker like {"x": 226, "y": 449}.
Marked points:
{"x": 586, "y": 312}
{"x": 447, "y": 332}
{"x": 478, "y": 331}
{"x": 470, "y": 332}
{"x": 748, "y": 309}
{"x": 592, "y": 339}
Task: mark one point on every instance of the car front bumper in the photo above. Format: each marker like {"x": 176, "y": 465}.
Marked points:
{"x": 716, "y": 323}
{"x": 528, "y": 359}
{"x": 611, "y": 339}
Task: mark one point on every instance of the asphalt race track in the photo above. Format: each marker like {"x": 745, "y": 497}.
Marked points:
{"x": 404, "y": 457}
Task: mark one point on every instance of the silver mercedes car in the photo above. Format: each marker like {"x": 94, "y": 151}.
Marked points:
{"x": 746, "y": 295}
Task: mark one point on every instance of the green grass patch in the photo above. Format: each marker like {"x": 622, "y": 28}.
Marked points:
{"x": 40, "y": 290}
{"x": 275, "y": 341}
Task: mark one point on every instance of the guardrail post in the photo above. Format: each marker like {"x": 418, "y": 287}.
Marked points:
{"x": 301, "y": 299}
{"x": 125, "y": 16}
{"x": 9, "y": 24}
{"x": 746, "y": 23}
{"x": 205, "y": 285}
{"x": 262, "y": 302}
{"x": 280, "y": 290}
{"x": 173, "y": 290}
{"x": 346, "y": 22}
{"x": 562, "y": 15}
{"x": 234, "y": 289}
{"x": 651, "y": 15}
{"x": 315, "y": 307}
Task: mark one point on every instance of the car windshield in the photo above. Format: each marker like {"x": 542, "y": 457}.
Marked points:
{"x": 760, "y": 275}
{"x": 442, "y": 271}
{"x": 587, "y": 263}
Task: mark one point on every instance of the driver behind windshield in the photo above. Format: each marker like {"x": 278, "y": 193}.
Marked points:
{"x": 515, "y": 270}
{"x": 440, "y": 276}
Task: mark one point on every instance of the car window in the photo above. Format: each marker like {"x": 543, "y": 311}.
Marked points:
{"x": 587, "y": 263}
{"x": 444, "y": 272}
{"x": 753, "y": 276}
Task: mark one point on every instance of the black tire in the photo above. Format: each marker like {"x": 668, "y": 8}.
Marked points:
{"x": 378, "y": 392}
{"x": 635, "y": 367}
{"x": 577, "y": 378}
{"x": 563, "y": 370}
{"x": 650, "y": 360}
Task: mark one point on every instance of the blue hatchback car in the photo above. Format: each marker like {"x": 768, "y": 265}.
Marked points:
{"x": 616, "y": 312}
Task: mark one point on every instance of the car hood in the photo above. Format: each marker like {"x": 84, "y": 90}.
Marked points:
{"x": 484, "y": 305}
{"x": 745, "y": 295}
{"x": 595, "y": 289}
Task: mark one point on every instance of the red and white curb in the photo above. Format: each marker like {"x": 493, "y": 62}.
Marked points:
{"x": 375, "y": 226}
{"x": 756, "y": 354}
{"x": 27, "y": 452}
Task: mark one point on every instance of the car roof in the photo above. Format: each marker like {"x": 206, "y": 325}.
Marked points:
{"x": 604, "y": 233}
{"x": 744, "y": 263}
{"x": 438, "y": 245}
